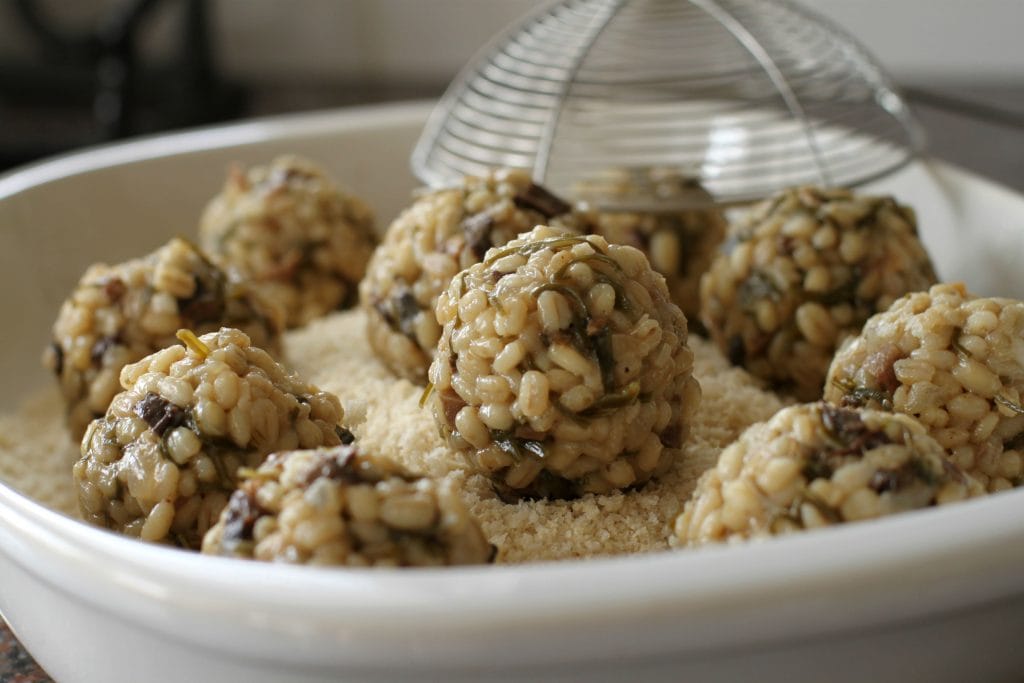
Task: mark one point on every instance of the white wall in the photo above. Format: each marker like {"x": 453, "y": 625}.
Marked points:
{"x": 404, "y": 39}
{"x": 429, "y": 39}
{"x": 915, "y": 39}
{"x": 960, "y": 40}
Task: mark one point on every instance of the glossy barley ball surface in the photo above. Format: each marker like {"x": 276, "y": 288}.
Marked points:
{"x": 680, "y": 244}
{"x": 803, "y": 271}
{"x": 118, "y": 314}
{"x": 816, "y": 465}
{"x": 563, "y": 367}
{"x": 162, "y": 462}
{"x": 955, "y": 362}
{"x": 298, "y": 237}
{"x": 342, "y": 507}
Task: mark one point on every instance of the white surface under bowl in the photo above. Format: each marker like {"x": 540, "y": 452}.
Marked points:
{"x": 936, "y": 595}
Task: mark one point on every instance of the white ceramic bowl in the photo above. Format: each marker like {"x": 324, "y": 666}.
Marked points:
{"x": 931, "y": 596}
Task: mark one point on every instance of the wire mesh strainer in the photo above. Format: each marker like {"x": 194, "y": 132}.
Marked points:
{"x": 744, "y": 96}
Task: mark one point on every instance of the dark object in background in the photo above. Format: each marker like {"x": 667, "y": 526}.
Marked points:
{"x": 94, "y": 86}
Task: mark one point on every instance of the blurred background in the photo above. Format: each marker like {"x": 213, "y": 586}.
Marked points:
{"x": 89, "y": 71}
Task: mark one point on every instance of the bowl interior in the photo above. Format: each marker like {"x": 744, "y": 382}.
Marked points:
{"x": 123, "y": 201}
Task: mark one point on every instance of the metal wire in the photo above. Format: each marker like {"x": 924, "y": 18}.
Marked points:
{"x": 745, "y": 96}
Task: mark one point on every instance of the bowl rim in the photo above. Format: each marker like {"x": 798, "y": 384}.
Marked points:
{"x": 296, "y": 126}
{"x": 906, "y": 561}
{"x": 847, "y": 577}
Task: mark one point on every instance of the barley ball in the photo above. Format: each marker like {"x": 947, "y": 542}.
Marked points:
{"x": 803, "y": 271}
{"x": 816, "y": 465}
{"x": 442, "y": 233}
{"x": 680, "y": 244}
{"x": 563, "y": 367}
{"x": 341, "y": 507}
{"x": 118, "y": 314}
{"x": 162, "y": 462}
{"x": 302, "y": 240}
{"x": 954, "y": 361}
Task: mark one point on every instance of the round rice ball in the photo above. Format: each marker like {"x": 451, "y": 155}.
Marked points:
{"x": 119, "y": 314}
{"x": 162, "y": 462}
{"x": 442, "y": 233}
{"x": 302, "y": 241}
{"x": 955, "y": 362}
{"x": 804, "y": 270}
{"x": 563, "y": 367}
{"x": 680, "y": 244}
{"x": 339, "y": 506}
{"x": 817, "y": 465}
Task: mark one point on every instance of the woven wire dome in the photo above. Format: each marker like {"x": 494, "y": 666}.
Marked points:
{"x": 745, "y": 97}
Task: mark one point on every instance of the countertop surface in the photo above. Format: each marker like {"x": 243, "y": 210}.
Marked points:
{"x": 978, "y": 127}
{"x": 16, "y": 664}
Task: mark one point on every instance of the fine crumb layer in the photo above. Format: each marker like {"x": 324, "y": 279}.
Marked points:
{"x": 384, "y": 414}
{"x": 37, "y": 453}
